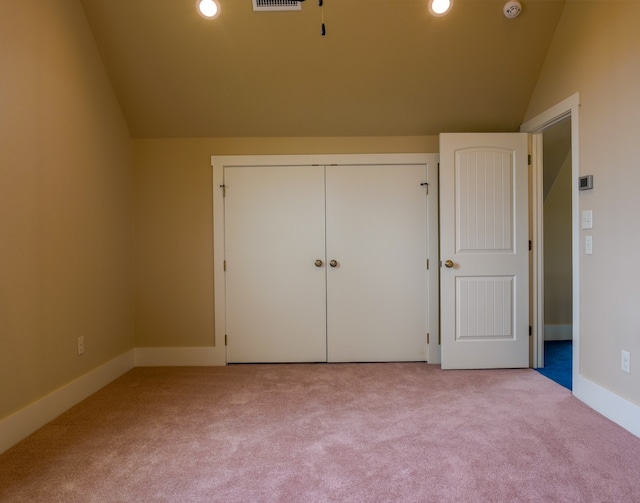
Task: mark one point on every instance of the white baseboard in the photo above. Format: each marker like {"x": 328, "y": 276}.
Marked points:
{"x": 180, "y": 357}
{"x": 23, "y": 423}
{"x": 558, "y": 332}
{"x": 607, "y": 403}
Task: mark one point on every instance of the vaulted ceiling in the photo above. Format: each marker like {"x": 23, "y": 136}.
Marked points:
{"x": 384, "y": 68}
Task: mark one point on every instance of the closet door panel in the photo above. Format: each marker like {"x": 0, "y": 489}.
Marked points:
{"x": 275, "y": 293}
{"x": 377, "y": 234}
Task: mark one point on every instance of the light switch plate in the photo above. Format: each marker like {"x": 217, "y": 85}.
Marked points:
{"x": 587, "y": 219}
{"x": 588, "y": 245}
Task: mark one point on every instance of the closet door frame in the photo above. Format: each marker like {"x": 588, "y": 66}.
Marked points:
{"x": 218, "y": 164}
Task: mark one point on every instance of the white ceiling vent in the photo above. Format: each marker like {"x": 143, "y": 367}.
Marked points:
{"x": 266, "y": 5}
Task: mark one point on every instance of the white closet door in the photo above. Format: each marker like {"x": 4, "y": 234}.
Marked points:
{"x": 275, "y": 293}
{"x": 377, "y": 234}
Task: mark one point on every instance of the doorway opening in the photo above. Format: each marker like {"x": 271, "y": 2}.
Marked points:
{"x": 554, "y": 191}
{"x": 557, "y": 257}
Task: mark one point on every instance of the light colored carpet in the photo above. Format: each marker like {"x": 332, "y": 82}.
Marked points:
{"x": 397, "y": 432}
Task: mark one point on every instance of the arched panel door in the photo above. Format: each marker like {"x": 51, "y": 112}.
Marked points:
{"x": 484, "y": 249}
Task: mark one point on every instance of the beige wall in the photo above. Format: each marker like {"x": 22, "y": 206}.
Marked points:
{"x": 66, "y": 195}
{"x": 174, "y": 226}
{"x": 595, "y": 52}
{"x": 557, "y": 252}
{"x": 65, "y": 210}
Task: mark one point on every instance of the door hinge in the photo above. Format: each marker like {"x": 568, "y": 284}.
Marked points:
{"x": 225, "y": 339}
{"x": 529, "y": 159}
{"x": 224, "y": 265}
{"x": 530, "y": 245}
{"x": 530, "y": 330}
{"x": 439, "y": 339}
{"x": 427, "y": 264}
{"x": 224, "y": 190}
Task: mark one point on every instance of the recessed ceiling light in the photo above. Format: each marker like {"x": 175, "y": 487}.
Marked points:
{"x": 440, "y": 7}
{"x": 209, "y": 9}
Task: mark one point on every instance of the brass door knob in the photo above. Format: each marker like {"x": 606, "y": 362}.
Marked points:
{"x": 333, "y": 263}
{"x": 319, "y": 263}
{"x": 448, "y": 264}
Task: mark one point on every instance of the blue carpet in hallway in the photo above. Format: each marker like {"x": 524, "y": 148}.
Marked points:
{"x": 558, "y": 362}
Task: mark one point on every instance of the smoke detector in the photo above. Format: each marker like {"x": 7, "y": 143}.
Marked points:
{"x": 512, "y": 9}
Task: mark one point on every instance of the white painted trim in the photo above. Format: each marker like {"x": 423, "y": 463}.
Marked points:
{"x": 218, "y": 164}
{"x": 219, "y": 284}
{"x": 434, "y": 353}
{"x": 618, "y": 409}
{"x": 26, "y": 421}
{"x": 537, "y": 236}
{"x": 180, "y": 357}
{"x": 567, "y": 108}
{"x": 558, "y": 332}
{"x": 612, "y": 406}
{"x": 23, "y": 423}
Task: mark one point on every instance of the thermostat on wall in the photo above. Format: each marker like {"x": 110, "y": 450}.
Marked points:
{"x": 585, "y": 182}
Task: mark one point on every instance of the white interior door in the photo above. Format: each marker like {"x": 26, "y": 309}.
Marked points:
{"x": 275, "y": 293}
{"x": 484, "y": 249}
{"x": 376, "y": 252}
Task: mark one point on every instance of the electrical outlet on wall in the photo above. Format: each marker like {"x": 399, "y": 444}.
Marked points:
{"x": 81, "y": 345}
{"x": 625, "y": 361}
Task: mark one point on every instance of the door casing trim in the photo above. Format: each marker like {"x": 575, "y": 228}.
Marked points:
{"x": 566, "y": 108}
